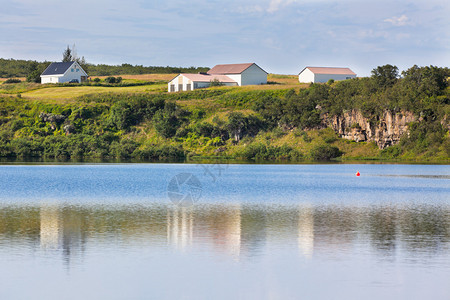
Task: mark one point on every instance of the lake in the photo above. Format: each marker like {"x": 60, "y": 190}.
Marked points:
{"x": 224, "y": 231}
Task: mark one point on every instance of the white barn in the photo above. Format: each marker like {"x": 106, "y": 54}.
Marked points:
{"x": 323, "y": 74}
{"x": 60, "y": 72}
{"x": 230, "y": 75}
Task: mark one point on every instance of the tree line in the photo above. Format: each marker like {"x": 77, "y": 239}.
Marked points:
{"x": 25, "y": 68}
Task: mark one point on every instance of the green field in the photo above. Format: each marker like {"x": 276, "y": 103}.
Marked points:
{"x": 147, "y": 83}
{"x": 65, "y": 94}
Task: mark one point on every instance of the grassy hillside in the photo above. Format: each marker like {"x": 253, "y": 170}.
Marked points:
{"x": 137, "y": 119}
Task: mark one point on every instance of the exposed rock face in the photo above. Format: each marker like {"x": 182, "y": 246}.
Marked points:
{"x": 51, "y": 117}
{"x": 385, "y": 131}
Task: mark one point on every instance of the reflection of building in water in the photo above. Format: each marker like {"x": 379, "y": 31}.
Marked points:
{"x": 306, "y": 230}
{"x": 180, "y": 224}
{"x": 216, "y": 226}
{"x": 61, "y": 230}
{"x": 227, "y": 230}
{"x": 51, "y": 227}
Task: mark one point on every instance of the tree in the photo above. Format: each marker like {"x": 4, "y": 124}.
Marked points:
{"x": 236, "y": 124}
{"x": 215, "y": 82}
{"x": 67, "y": 55}
{"x": 386, "y": 75}
{"x": 34, "y": 72}
{"x": 429, "y": 80}
{"x": 70, "y": 54}
{"x": 166, "y": 121}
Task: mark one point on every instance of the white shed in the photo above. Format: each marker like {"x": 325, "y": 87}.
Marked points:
{"x": 230, "y": 74}
{"x": 189, "y": 82}
{"x": 323, "y": 74}
{"x": 60, "y": 72}
{"x": 243, "y": 74}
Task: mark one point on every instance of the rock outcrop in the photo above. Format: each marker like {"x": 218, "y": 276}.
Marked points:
{"x": 385, "y": 131}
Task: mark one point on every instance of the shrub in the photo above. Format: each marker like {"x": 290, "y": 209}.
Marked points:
{"x": 260, "y": 151}
{"x": 165, "y": 152}
{"x": 110, "y": 79}
{"x": 167, "y": 121}
{"x": 391, "y": 152}
{"x": 13, "y": 80}
{"x": 325, "y": 152}
{"x": 215, "y": 82}
{"x": 204, "y": 129}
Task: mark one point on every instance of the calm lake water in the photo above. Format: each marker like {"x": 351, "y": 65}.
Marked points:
{"x": 186, "y": 231}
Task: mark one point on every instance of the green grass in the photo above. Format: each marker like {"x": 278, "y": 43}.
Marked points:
{"x": 68, "y": 94}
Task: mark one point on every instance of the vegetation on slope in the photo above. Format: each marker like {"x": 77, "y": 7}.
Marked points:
{"x": 250, "y": 123}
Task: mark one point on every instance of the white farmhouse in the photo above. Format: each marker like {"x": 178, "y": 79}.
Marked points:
{"x": 230, "y": 75}
{"x": 321, "y": 74}
{"x": 60, "y": 72}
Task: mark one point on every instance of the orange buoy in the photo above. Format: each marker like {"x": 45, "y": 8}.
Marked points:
{"x": 358, "y": 174}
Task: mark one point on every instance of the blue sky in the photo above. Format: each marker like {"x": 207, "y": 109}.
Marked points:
{"x": 281, "y": 36}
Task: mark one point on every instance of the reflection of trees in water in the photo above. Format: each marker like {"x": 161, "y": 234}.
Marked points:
{"x": 232, "y": 229}
{"x": 382, "y": 225}
{"x": 429, "y": 229}
{"x": 253, "y": 229}
{"x": 336, "y": 227}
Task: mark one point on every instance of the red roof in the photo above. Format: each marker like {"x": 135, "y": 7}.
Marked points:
{"x": 230, "y": 68}
{"x": 207, "y": 77}
{"x": 327, "y": 70}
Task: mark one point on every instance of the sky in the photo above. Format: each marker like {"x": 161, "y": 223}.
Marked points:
{"x": 281, "y": 36}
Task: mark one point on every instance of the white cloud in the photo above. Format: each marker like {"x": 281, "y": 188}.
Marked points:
{"x": 275, "y": 5}
{"x": 398, "y": 21}
{"x": 249, "y": 9}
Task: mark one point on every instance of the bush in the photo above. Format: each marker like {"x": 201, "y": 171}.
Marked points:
{"x": 110, "y": 79}
{"x": 325, "y": 152}
{"x": 168, "y": 120}
{"x": 391, "y": 152}
{"x": 160, "y": 153}
{"x": 215, "y": 82}
{"x": 260, "y": 151}
{"x": 12, "y": 80}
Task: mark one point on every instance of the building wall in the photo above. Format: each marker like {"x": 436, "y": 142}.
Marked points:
{"x": 74, "y": 72}
{"x": 253, "y": 76}
{"x": 49, "y": 79}
{"x": 306, "y": 76}
{"x": 325, "y": 77}
{"x": 181, "y": 83}
{"x": 236, "y": 77}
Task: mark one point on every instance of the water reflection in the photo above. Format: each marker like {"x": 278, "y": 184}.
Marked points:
{"x": 234, "y": 230}
{"x": 306, "y": 230}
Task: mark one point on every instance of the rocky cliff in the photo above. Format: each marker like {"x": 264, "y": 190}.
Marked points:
{"x": 385, "y": 130}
